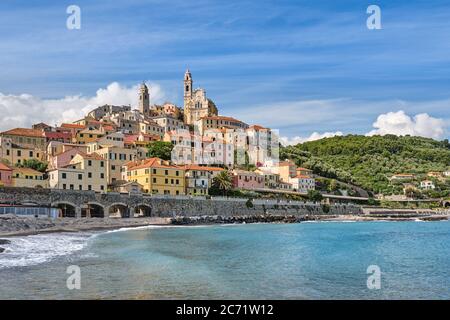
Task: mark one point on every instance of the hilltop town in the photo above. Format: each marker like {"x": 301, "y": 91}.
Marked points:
{"x": 168, "y": 150}
{"x": 108, "y": 150}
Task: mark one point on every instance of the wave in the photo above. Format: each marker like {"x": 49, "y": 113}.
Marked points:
{"x": 37, "y": 249}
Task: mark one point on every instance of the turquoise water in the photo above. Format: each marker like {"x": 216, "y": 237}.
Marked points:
{"x": 260, "y": 261}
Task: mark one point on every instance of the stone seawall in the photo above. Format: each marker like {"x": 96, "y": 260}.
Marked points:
{"x": 166, "y": 206}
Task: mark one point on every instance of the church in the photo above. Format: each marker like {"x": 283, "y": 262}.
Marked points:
{"x": 196, "y": 104}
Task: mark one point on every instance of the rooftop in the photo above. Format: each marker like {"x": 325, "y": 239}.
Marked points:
{"x": 24, "y": 132}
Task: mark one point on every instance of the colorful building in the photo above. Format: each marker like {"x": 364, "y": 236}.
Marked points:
{"x": 27, "y": 177}
{"x": 156, "y": 176}
{"x": 84, "y": 172}
{"x": 199, "y": 179}
{"x": 247, "y": 180}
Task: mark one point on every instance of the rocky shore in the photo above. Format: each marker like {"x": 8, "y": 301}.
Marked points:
{"x": 11, "y": 225}
{"x": 206, "y": 220}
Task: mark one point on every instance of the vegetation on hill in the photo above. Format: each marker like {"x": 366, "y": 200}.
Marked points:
{"x": 369, "y": 162}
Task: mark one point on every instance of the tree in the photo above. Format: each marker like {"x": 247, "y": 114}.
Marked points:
{"x": 160, "y": 149}
{"x": 314, "y": 195}
{"x": 33, "y": 164}
{"x": 223, "y": 182}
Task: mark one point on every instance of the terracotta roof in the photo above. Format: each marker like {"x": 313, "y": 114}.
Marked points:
{"x": 257, "y": 127}
{"x": 24, "y": 132}
{"x": 72, "y": 125}
{"x": 4, "y": 167}
{"x": 200, "y": 168}
{"x": 154, "y": 163}
{"x": 27, "y": 170}
{"x": 221, "y": 118}
{"x": 94, "y": 156}
{"x": 300, "y": 176}
{"x": 58, "y": 135}
{"x": 303, "y": 169}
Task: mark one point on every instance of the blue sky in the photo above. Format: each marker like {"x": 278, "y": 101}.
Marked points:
{"x": 300, "y": 66}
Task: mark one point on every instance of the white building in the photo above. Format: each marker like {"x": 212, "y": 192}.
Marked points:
{"x": 427, "y": 185}
{"x": 302, "y": 183}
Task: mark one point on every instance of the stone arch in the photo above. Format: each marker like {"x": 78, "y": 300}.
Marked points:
{"x": 142, "y": 210}
{"x": 446, "y": 204}
{"x": 94, "y": 210}
{"x": 118, "y": 209}
{"x": 67, "y": 209}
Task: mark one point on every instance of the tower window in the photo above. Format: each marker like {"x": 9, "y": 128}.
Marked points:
{"x": 187, "y": 88}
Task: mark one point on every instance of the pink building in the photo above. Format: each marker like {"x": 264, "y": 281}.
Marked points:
{"x": 247, "y": 180}
{"x": 62, "y": 159}
{"x": 5, "y": 175}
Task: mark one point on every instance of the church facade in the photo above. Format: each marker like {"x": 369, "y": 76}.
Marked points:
{"x": 196, "y": 103}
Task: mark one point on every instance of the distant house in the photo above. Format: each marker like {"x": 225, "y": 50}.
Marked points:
{"x": 434, "y": 174}
{"x": 304, "y": 172}
{"x": 446, "y": 173}
{"x": 427, "y": 185}
{"x": 402, "y": 177}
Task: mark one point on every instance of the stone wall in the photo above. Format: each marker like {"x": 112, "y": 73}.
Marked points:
{"x": 170, "y": 206}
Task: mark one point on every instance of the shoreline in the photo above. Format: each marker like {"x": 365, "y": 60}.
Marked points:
{"x": 26, "y": 226}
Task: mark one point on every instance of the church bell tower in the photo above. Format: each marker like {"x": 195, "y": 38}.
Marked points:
{"x": 144, "y": 100}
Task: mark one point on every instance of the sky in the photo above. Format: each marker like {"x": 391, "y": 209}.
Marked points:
{"x": 307, "y": 68}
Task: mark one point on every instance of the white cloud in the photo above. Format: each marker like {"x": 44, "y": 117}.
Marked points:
{"x": 24, "y": 110}
{"x": 399, "y": 123}
{"x": 285, "y": 141}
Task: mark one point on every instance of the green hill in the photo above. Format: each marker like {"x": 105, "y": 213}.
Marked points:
{"x": 369, "y": 161}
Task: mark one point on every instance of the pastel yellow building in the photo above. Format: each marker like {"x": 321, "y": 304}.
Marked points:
{"x": 89, "y": 135}
{"x": 157, "y": 176}
{"x": 27, "y": 177}
{"x": 85, "y": 172}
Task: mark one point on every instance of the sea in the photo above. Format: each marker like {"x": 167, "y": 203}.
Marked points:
{"x": 312, "y": 260}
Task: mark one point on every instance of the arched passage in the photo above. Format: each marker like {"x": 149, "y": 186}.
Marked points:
{"x": 446, "y": 204}
{"x": 142, "y": 210}
{"x": 119, "y": 210}
{"x": 93, "y": 210}
{"x": 67, "y": 209}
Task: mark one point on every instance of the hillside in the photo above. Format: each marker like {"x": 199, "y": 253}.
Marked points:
{"x": 369, "y": 161}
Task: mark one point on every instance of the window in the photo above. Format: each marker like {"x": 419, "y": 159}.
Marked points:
{"x": 64, "y": 175}
{"x": 166, "y": 172}
{"x": 166, "y": 181}
{"x": 154, "y": 180}
{"x": 80, "y": 176}
{"x": 31, "y": 154}
{"x": 90, "y": 163}
{"x": 102, "y": 175}
{"x": 80, "y": 187}
{"x": 64, "y": 186}
{"x": 71, "y": 187}
{"x": 89, "y": 174}
{"x": 19, "y": 153}
{"x": 89, "y": 187}
{"x": 102, "y": 187}
{"x": 113, "y": 167}
{"x": 154, "y": 171}
{"x": 102, "y": 164}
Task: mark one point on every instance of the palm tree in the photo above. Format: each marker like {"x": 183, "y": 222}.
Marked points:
{"x": 223, "y": 181}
